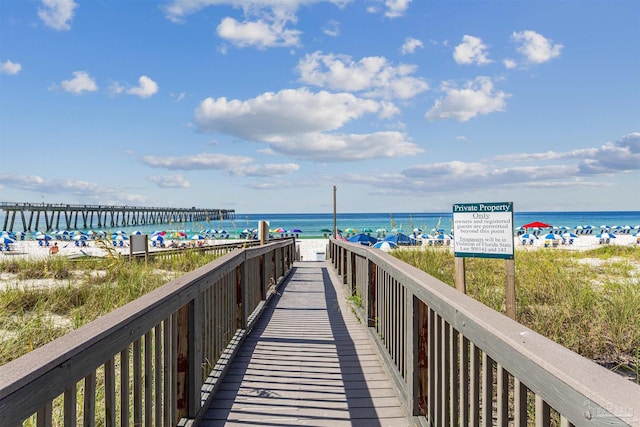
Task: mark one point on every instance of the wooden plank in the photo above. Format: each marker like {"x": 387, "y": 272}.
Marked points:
{"x": 148, "y": 380}
{"x": 110, "y": 393}
{"x": 90, "y": 400}
{"x": 44, "y": 417}
{"x": 124, "y": 387}
{"x": 474, "y": 377}
{"x": 502, "y": 396}
{"x": 487, "y": 390}
{"x": 543, "y": 412}
{"x": 519, "y": 404}
{"x": 137, "y": 383}
{"x": 70, "y": 409}
{"x": 464, "y": 381}
{"x": 157, "y": 371}
{"x": 454, "y": 377}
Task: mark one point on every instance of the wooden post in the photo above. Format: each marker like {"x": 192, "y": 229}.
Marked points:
{"x": 335, "y": 223}
{"x": 510, "y": 291}
{"x": 460, "y": 278}
{"x": 182, "y": 392}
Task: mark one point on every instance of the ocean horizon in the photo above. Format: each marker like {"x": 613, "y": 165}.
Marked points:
{"x": 312, "y": 224}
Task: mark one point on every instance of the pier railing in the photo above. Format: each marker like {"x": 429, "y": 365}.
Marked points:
{"x": 155, "y": 361}
{"x": 456, "y": 362}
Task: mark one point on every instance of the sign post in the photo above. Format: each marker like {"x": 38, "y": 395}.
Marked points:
{"x": 485, "y": 230}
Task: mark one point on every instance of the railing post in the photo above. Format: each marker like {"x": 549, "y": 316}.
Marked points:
{"x": 245, "y": 292}
{"x": 371, "y": 295}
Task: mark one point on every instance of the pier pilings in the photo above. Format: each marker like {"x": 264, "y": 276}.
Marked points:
{"x": 48, "y": 216}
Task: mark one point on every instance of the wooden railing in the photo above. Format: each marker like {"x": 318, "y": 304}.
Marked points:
{"x": 456, "y": 362}
{"x": 153, "y": 362}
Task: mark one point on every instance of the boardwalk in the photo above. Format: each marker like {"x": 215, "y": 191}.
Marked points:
{"x": 308, "y": 362}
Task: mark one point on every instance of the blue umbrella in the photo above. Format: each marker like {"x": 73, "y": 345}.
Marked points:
{"x": 569, "y": 235}
{"x": 197, "y": 237}
{"x": 296, "y": 230}
{"x": 605, "y": 236}
{"x": 363, "y": 239}
{"x": 552, "y": 236}
{"x": 43, "y": 237}
{"x": 385, "y": 246}
{"x": 137, "y": 232}
{"x": 528, "y": 236}
{"x": 6, "y": 240}
{"x": 157, "y": 238}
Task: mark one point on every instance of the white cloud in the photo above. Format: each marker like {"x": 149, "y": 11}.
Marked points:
{"x": 374, "y": 76}
{"x": 81, "y": 82}
{"x": 462, "y": 138}
{"x": 324, "y": 147}
{"x": 9, "y": 67}
{"x": 294, "y": 122}
{"x": 56, "y": 14}
{"x": 332, "y": 28}
{"x": 232, "y": 165}
{"x": 80, "y": 188}
{"x": 509, "y": 63}
{"x": 535, "y": 47}
{"x": 478, "y": 97}
{"x": 471, "y": 51}
{"x": 202, "y": 161}
{"x": 622, "y": 155}
{"x": 272, "y": 116}
{"x": 410, "y": 45}
{"x": 396, "y": 8}
{"x": 267, "y": 170}
{"x": 145, "y": 88}
{"x": 260, "y": 33}
{"x": 170, "y": 181}
{"x": 571, "y": 170}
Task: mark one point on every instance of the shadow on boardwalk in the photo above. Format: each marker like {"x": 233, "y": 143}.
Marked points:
{"x": 307, "y": 362}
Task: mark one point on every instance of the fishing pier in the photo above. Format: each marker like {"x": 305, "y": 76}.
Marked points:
{"x": 48, "y": 216}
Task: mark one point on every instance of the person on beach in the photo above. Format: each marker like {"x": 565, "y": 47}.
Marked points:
{"x": 54, "y": 249}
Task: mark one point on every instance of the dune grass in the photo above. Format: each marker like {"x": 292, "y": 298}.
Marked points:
{"x": 588, "y": 301}
{"x": 66, "y": 294}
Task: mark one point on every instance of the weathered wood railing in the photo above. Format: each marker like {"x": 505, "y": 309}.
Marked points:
{"x": 457, "y": 362}
{"x": 153, "y": 362}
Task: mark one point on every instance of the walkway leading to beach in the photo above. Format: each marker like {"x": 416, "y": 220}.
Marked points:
{"x": 308, "y": 361}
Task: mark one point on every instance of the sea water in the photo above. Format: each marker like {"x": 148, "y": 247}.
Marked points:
{"x": 313, "y": 224}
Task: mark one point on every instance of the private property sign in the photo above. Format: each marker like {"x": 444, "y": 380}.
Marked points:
{"x": 483, "y": 230}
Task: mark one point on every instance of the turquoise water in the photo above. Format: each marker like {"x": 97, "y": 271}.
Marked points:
{"x": 312, "y": 224}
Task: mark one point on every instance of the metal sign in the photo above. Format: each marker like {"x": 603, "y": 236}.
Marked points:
{"x": 483, "y": 230}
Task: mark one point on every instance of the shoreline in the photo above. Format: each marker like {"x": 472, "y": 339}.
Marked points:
{"x": 310, "y": 249}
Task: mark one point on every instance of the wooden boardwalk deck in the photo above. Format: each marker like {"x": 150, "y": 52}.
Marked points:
{"x": 308, "y": 362}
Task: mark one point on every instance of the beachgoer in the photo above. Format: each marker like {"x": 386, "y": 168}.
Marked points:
{"x": 54, "y": 249}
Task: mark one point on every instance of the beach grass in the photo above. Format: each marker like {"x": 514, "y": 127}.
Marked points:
{"x": 64, "y": 294}
{"x": 586, "y": 301}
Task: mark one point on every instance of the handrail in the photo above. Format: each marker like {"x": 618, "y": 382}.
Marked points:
{"x": 156, "y": 357}
{"x": 455, "y": 361}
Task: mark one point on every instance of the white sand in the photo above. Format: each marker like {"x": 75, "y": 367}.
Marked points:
{"x": 309, "y": 249}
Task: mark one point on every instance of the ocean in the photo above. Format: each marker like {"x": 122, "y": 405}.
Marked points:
{"x": 312, "y": 224}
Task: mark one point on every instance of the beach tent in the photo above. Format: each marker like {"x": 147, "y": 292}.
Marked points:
{"x": 363, "y": 239}
{"x": 536, "y": 224}
{"x": 400, "y": 239}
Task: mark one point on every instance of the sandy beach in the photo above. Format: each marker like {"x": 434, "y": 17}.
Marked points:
{"x": 309, "y": 249}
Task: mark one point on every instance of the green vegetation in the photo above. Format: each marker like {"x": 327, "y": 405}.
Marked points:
{"x": 64, "y": 294}
{"x": 588, "y": 301}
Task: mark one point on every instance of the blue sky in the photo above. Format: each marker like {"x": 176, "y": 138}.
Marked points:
{"x": 264, "y": 106}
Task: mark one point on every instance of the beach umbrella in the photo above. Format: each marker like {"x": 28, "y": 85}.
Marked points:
{"x": 443, "y": 236}
{"x": 197, "y": 237}
{"x": 367, "y": 230}
{"x": 385, "y": 246}
{"x": 363, "y": 239}
{"x": 381, "y": 230}
{"x": 552, "y": 236}
{"x": 120, "y": 232}
{"x": 79, "y": 237}
{"x": 5, "y": 240}
{"x": 326, "y": 230}
{"x": 417, "y": 230}
{"x": 528, "y": 236}
{"x": 350, "y": 230}
{"x": 157, "y": 238}
{"x": 296, "y": 230}
{"x": 425, "y": 236}
{"x": 136, "y": 233}
{"x": 120, "y": 237}
{"x": 569, "y": 235}
{"x": 280, "y": 230}
{"x": 43, "y": 237}
{"x": 536, "y": 224}
{"x": 605, "y": 236}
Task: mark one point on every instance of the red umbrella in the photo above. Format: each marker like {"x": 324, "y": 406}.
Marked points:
{"x": 536, "y": 224}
